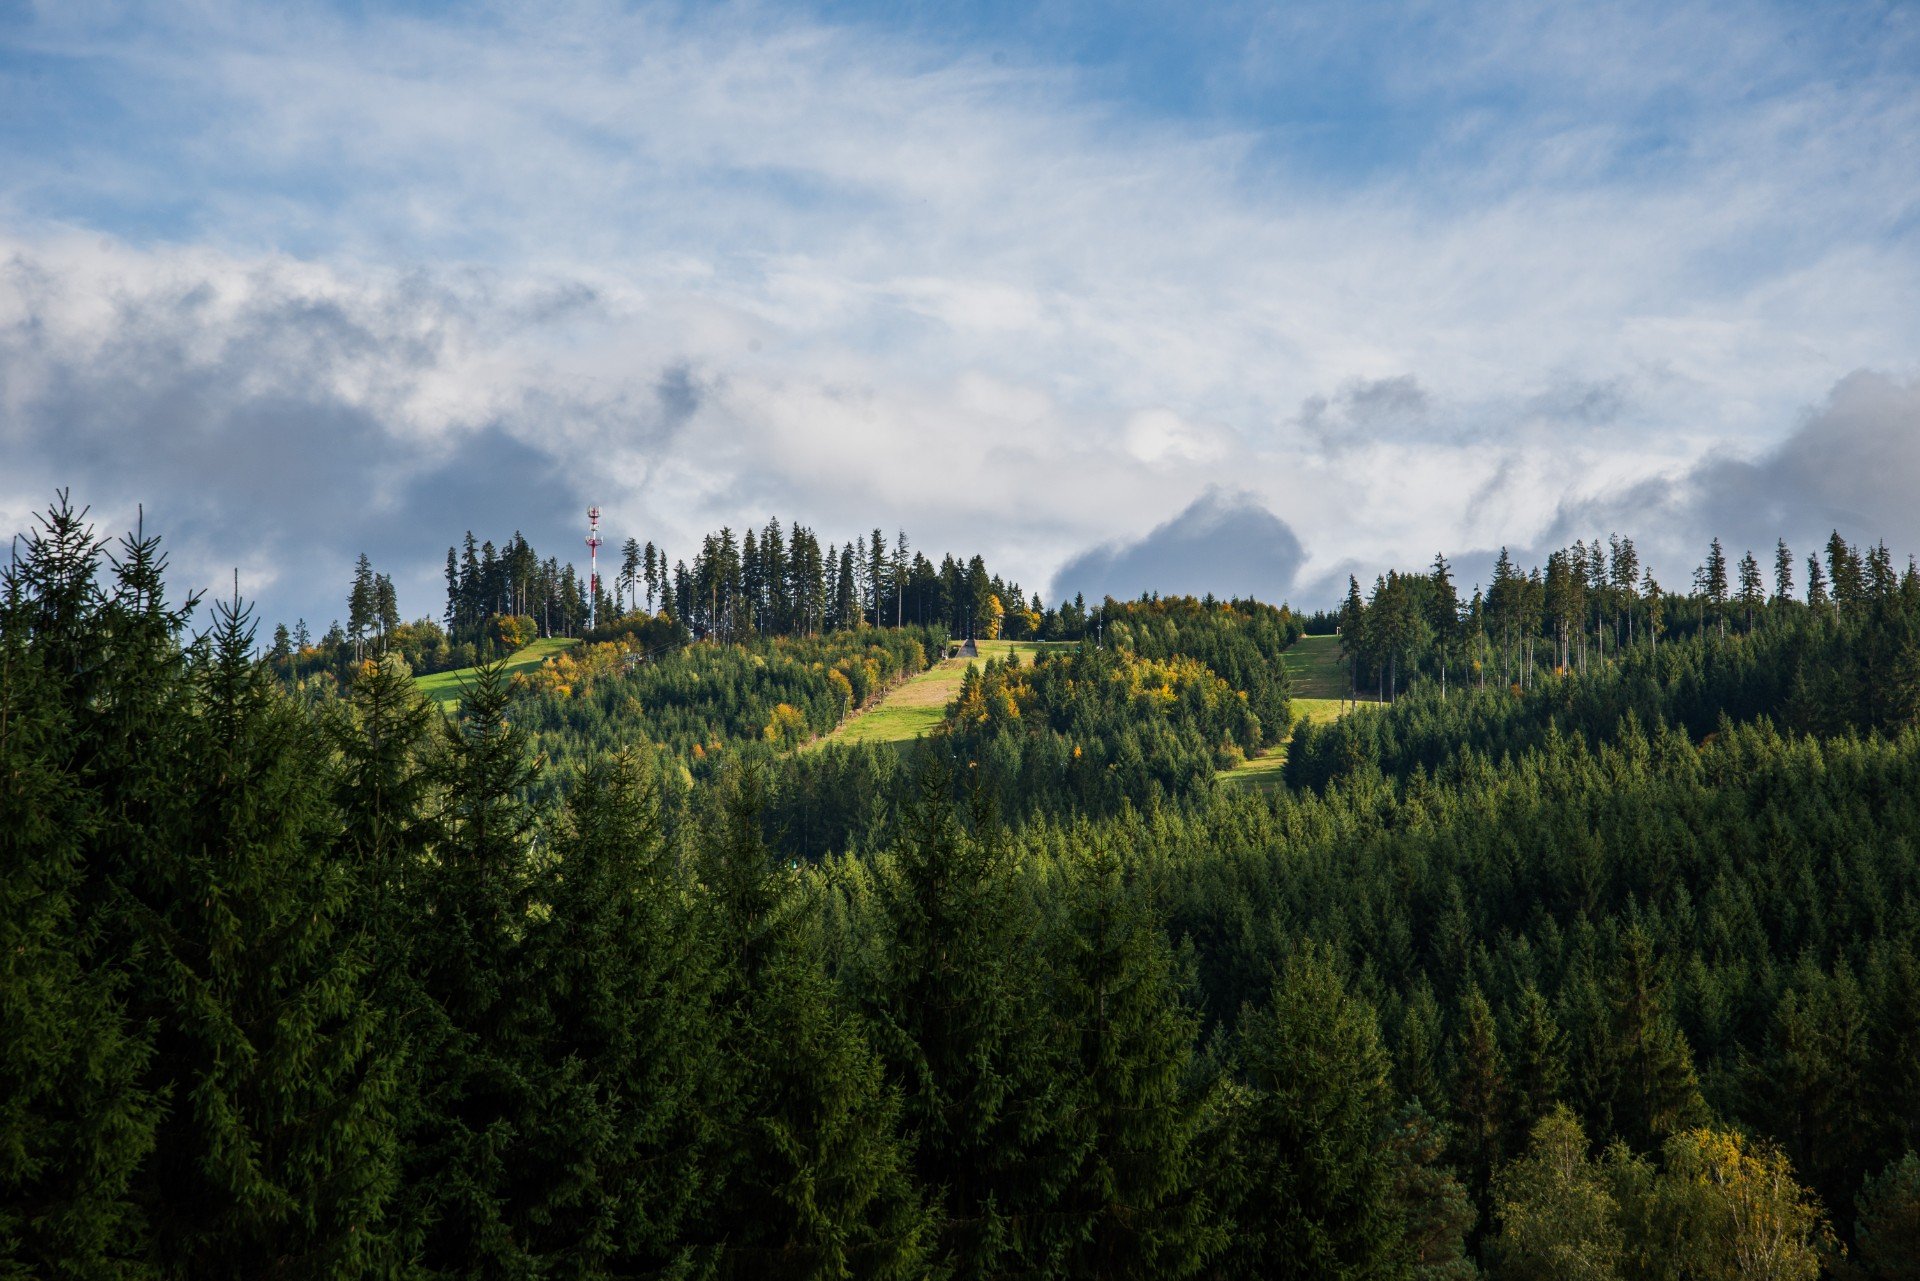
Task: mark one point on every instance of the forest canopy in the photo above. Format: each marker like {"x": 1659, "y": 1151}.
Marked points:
{"x": 1590, "y": 946}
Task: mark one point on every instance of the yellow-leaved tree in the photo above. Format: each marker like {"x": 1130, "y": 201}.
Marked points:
{"x": 1719, "y": 1205}
{"x": 787, "y": 727}
{"x": 1732, "y": 1208}
{"x": 991, "y": 618}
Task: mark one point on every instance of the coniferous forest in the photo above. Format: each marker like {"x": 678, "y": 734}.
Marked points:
{"x": 1584, "y": 944}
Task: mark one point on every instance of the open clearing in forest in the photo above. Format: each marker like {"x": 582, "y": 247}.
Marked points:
{"x": 916, "y": 705}
{"x": 1314, "y": 667}
{"x": 1319, "y": 695}
{"x": 445, "y": 688}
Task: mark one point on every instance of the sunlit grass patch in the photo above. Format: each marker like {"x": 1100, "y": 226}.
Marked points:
{"x": 445, "y": 687}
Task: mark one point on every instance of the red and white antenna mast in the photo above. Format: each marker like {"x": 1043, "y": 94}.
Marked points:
{"x": 593, "y": 552}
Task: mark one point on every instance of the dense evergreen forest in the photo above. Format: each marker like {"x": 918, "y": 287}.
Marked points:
{"x": 1592, "y": 950}
{"x": 769, "y": 583}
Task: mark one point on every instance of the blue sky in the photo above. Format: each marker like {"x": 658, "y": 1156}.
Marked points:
{"x": 1035, "y": 279}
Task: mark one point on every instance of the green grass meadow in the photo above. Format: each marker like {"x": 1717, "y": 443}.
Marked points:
{"x": 1319, "y": 695}
{"x": 913, "y": 707}
{"x": 445, "y": 688}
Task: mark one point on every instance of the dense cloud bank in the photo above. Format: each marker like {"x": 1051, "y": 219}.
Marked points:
{"x": 1852, "y": 465}
{"x": 705, "y": 265}
{"x": 1224, "y": 543}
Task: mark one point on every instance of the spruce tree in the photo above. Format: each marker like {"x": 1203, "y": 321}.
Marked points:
{"x": 475, "y": 1089}
{"x": 383, "y": 794}
{"x": 1138, "y": 1199}
{"x": 75, "y": 1118}
{"x": 1416, "y": 1073}
{"x": 1752, "y": 587}
{"x": 1815, "y": 1081}
{"x": 950, "y": 988}
{"x": 1817, "y": 597}
{"x": 1846, "y": 574}
{"x": 1710, "y": 581}
{"x": 1319, "y": 1183}
{"x": 1537, "y": 1058}
{"x": 1652, "y": 1091}
{"x": 630, "y": 571}
{"x": 206, "y": 884}
{"x": 1886, "y": 1230}
{"x": 817, "y": 1180}
{"x": 363, "y": 604}
{"x": 1895, "y": 1041}
{"x": 630, "y": 1053}
{"x": 1443, "y": 617}
{"x": 275, "y": 1156}
{"x": 1480, "y": 1091}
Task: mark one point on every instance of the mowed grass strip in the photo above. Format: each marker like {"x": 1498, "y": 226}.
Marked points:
{"x": 445, "y": 688}
{"x": 1319, "y": 682}
{"x": 915, "y": 706}
{"x": 1314, "y": 667}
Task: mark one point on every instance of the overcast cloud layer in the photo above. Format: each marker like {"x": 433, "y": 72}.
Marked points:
{"x": 1100, "y": 296}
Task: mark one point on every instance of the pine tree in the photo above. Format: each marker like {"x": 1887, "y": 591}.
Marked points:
{"x": 1435, "y": 1214}
{"x": 1782, "y": 572}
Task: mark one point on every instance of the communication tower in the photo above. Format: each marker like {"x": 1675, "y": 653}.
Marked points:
{"x": 593, "y": 553}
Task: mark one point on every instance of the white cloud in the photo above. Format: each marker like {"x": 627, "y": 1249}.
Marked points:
{"x": 913, "y": 287}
